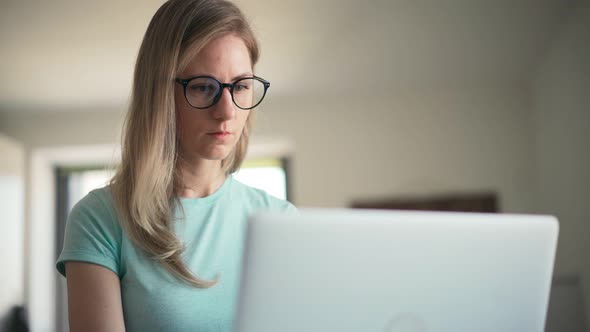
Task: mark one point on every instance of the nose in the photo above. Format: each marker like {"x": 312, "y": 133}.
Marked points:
{"x": 224, "y": 109}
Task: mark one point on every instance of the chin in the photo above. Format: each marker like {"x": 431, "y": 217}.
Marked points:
{"x": 216, "y": 154}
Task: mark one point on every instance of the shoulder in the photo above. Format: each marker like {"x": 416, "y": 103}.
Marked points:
{"x": 94, "y": 218}
{"x": 258, "y": 198}
{"x": 93, "y": 233}
{"x": 97, "y": 204}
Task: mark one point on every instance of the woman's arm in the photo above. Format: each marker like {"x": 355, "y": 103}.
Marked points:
{"x": 94, "y": 298}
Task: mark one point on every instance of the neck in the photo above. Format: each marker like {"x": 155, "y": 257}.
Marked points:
{"x": 199, "y": 179}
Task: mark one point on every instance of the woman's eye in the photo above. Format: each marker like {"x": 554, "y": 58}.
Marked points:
{"x": 241, "y": 87}
{"x": 202, "y": 88}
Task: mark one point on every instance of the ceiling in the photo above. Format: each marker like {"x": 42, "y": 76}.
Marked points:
{"x": 79, "y": 54}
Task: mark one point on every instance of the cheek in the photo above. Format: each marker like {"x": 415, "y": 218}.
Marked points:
{"x": 185, "y": 126}
{"x": 187, "y": 118}
{"x": 192, "y": 123}
{"x": 243, "y": 118}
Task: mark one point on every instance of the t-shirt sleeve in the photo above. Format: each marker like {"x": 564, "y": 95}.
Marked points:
{"x": 289, "y": 208}
{"x": 279, "y": 205}
{"x": 92, "y": 234}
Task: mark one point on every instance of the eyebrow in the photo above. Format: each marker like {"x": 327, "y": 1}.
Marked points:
{"x": 235, "y": 78}
{"x": 247, "y": 74}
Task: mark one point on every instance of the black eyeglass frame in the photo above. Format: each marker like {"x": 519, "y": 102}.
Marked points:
{"x": 222, "y": 86}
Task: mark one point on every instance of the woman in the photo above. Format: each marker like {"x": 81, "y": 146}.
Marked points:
{"x": 159, "y": 249}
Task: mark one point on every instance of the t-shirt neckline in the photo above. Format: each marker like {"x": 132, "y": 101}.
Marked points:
{"x": 208, "y": 199}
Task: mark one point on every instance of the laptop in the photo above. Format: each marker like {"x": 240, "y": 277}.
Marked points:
{"x": 391, "y": 271}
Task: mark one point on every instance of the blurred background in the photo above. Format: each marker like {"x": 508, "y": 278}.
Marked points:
{"x": 372, "y": 102}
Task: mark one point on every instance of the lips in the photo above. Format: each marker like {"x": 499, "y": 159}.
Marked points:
{"x": 222, "y": 132}
{"x": 219, "y": 134}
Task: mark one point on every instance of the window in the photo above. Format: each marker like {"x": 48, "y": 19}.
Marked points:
{"x": 269, "y": 175}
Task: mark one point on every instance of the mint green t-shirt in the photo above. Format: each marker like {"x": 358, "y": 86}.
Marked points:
{"x": 153, "y": 300}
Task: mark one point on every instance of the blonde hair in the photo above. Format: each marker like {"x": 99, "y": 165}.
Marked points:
{"x": 143, "y": 186}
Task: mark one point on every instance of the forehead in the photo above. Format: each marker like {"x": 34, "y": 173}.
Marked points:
{"x": 224, "y": 58}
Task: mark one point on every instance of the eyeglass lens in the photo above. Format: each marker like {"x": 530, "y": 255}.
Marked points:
{"x": 202, "y": 92}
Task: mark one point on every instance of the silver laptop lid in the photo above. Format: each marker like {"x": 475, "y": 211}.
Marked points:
{"x": 359, "y": 270}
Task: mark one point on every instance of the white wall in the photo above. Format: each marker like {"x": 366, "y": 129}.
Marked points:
{"x": 375, "y": 146}
{"x": 562, "y": 141}
{"x": 50, "y": 128}
{"x": 12, "y": 223}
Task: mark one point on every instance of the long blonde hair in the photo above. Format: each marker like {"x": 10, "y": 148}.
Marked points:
{"x": 143, "y": 186}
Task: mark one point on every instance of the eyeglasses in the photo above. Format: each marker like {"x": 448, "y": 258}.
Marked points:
{"x": 205, "y": 91}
